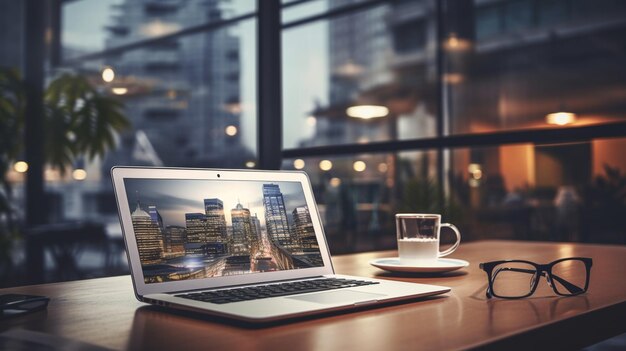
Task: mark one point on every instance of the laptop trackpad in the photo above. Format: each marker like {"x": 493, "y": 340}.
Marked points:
{"x": 335, "y": 297}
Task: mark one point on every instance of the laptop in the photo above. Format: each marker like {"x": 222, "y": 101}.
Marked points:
{"x": 247, "y": 245}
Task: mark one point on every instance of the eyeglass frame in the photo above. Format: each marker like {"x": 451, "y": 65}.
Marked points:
{"x": 540, "y": 270}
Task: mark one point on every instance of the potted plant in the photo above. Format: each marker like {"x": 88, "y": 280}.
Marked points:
{"x": 80, "y": 123}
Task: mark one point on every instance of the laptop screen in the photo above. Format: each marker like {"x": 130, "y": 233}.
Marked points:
{"x": 197, "y": 228}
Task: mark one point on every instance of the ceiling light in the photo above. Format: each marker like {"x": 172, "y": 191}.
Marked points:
{"x": 231, "y": 131}
{"x": 326, "y": 165}
{"x": 119, "y": 91}
{"x": 20, "y": 166}
{"x": 359, "y": 166}
{"x": 79, "y": 174}
{"x": 561, "y": 118}
{"x": 367, "y": 111}
{"x": 108, "y": 74}
{"x": 298, "y": 164}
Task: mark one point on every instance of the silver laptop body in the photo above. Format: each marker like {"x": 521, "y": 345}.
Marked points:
{"x": 193, "y": 232}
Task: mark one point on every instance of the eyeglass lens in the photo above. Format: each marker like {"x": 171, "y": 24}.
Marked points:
{"x": 569, "y": 277}
{"x": 513, "y": 279}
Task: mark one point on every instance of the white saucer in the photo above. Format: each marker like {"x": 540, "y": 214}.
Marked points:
{"x": 393, "y": 264}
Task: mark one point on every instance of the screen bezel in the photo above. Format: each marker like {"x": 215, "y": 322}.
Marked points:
{"x": 119, "y": 174}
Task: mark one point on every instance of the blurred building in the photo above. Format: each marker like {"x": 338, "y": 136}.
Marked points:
{"x": 11, "y": 33}
{"x": 182, "y": 95}
{"x": 508, "y": 65}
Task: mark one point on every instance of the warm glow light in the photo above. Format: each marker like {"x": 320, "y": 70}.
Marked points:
{"x": 561, "y": 118}
{"x": 234, "y": 107}
{"x": 250, "y": 164}
{"x": 359, "y": 166}
{"x": 298, "y": 164}
{"x": 477, "y": 174}
{"x": 473, "y": 167}
{"x": 454, "y": 43}
{"x": 382, "y": 167}
{"x": 231, "y": 130}
{"x": 475, "y": 170}
{"x": 326, "y": 165}
{"x": 52, "y": 175}
{"x": 158, "y": 28}
{"x": 335, "y": 182}
{"x": 311, "y": 120}
{"x": 119, "y": 90}
{"x": 108, "y": 74}
{"x": 20, "y": 166}
{"x": 367, "y": 111}
{"x": 453, "y": 78}
{"x": 349, "y": 69}
{"x": 79, "y": 174}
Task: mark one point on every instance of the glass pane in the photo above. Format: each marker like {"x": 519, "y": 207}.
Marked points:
{"x": 541, "y": 192}
{"x": 513, "y": 279}
{"x": 353, "y": 205}
{"x": 319, "y": 7}
{"x": 303, "y": 10}
{"x": 344, "y": 82}
{"x": 11, "y": 34}
{"x": 190, "y": 102}
{"x": 510, "y": 66}
{"x": 358, "y": 195}
{"x": 569, "y": 277}
{"x": 564, "y": 192}
{"x": 94, "y": 25}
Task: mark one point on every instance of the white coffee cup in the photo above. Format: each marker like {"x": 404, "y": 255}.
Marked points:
{"x": 418, "y": 238}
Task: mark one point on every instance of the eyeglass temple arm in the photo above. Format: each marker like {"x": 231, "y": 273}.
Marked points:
{"x": 569, "y": 286}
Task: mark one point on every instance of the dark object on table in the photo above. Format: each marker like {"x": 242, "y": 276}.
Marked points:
{"x": 17, "y": 304}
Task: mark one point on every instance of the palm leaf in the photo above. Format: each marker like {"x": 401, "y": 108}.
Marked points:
{"x": 89, "y": 119}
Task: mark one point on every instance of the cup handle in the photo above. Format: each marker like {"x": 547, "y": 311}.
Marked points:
{"x": 456, "y": 244}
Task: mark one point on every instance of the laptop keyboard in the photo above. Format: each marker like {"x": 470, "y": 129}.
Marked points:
{"x": 273, "y": 290}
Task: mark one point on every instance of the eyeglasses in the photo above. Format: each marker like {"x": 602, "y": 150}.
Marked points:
{"x": 515, "y": 279}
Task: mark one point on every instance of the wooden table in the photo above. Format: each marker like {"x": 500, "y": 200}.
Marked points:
{"x": 104, "y": 312}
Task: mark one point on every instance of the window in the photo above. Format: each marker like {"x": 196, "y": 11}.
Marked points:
{"x": 190, "y": 97}
{"x": 505, "y": 116}
{"x": 518, "y": 15}
{"x": 409, "y": 37}
{"x": 468, "y": 131}
{"x": 488, "y": 21}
